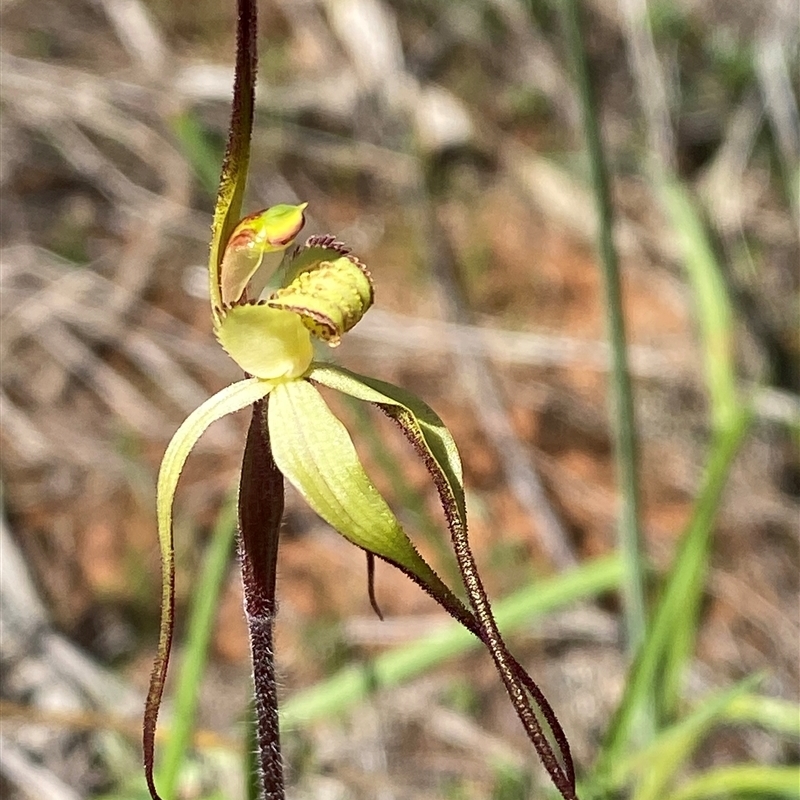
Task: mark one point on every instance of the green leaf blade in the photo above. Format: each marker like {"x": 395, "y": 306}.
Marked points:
{"x": 714, "y": 310}
{"x": 658, "y": 764}
{"x": 682, "y": 588}
{"x": 742, "y": 780}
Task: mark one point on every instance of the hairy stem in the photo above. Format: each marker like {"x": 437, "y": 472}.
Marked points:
{"x": 260, "y": 514}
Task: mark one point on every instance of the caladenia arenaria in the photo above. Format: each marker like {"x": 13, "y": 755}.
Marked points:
{"x": 322, "y": 291}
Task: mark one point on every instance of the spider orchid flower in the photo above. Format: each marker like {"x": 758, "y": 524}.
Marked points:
{"x": 323, "y": 292}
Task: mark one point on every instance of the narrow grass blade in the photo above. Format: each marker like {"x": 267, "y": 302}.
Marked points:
{"x": 623, "y": 414}
{"x": 712, "y": 303}
{"x": 746, "y": 780}
{"x": 770, "y": 713}
{"x": 656, "y": 769}
{"x": 690, "y": 567}
{"x": 683, "y": 586}
{"x": 656, "y": 764}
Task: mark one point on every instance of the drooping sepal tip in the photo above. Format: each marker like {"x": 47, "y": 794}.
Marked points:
{"x": 434, "y": 443}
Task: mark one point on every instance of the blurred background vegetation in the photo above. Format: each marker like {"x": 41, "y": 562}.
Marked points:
{"x": 443, "y": 141}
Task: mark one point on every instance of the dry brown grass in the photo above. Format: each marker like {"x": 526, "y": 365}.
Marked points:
{"x": 488, "y": 306}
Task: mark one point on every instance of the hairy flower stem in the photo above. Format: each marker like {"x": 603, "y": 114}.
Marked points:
{"x": 260, "y": 514}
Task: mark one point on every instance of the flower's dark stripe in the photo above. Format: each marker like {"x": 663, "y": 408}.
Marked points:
{"x": 322, "y": 320}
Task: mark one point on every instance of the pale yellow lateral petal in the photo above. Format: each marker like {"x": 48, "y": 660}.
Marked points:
{"x": 315, "y": 453}
{"x": 232, "y": 398}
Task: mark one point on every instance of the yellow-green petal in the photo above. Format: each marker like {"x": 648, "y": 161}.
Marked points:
{"x": 266, "y": 342}
{"x": 232, "y": 398}
{"x": 315, "y": 453}
{"x": 432, "y": 433}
